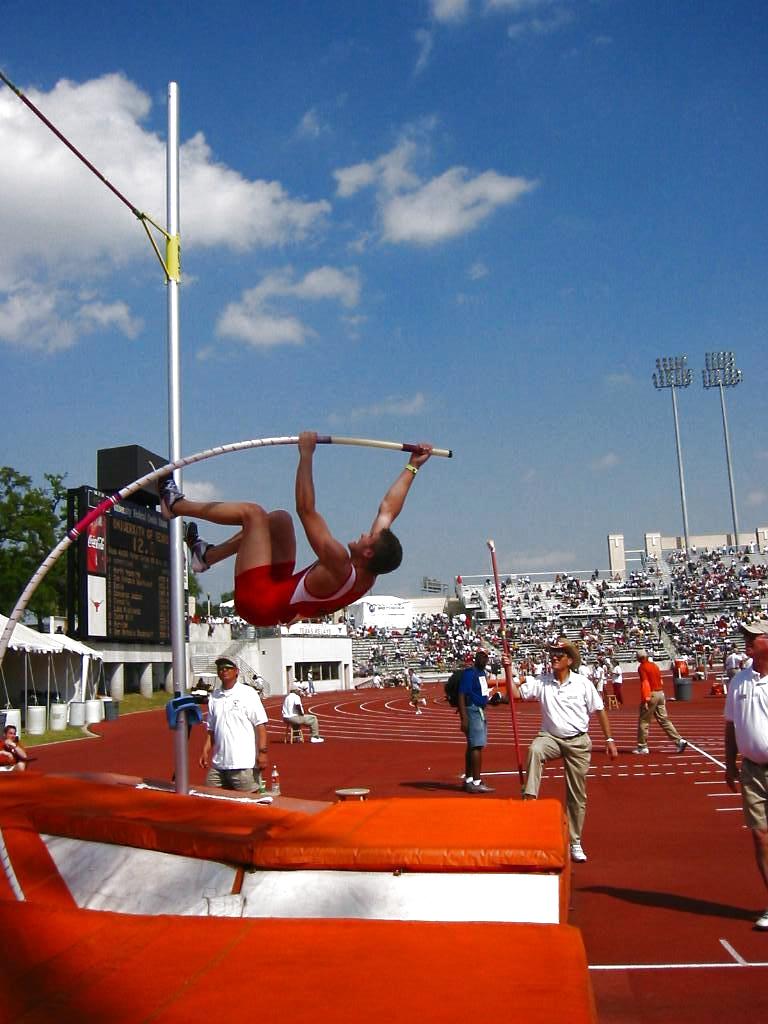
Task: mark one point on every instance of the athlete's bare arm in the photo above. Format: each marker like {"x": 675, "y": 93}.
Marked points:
{"x": 392, "y": 503}
{"x": 331, "y": 553}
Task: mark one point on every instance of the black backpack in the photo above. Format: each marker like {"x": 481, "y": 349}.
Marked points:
{"x": 452, "y": 687}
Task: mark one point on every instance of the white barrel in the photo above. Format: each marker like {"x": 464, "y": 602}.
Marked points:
{"x": 36, "y": 718}
{"x": 94, "y": 711}
{"x": 57, "y": 717}
{"x": 77, "y": 713}
{"x": 13, "y": 717}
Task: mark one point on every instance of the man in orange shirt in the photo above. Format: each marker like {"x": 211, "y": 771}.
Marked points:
{"x": 653, "y": 705}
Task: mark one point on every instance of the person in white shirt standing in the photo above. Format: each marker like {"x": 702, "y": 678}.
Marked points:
{"x": 294, "y": 715}
{"x": 746, "y": 733}
{"x": 237, "y": 722}
{"x": 567, "y": 700}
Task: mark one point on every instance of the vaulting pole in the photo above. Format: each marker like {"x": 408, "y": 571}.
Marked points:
{"x": 507, "y": 661}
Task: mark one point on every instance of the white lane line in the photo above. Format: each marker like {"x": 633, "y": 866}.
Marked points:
{"x": 677, "y": 967}
{"x": 736, "y": 956}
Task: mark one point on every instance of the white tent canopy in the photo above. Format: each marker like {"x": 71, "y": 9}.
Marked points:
{"x": 25, "y": 639}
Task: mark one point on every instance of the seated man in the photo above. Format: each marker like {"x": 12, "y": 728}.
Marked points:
{"x": 13, "y": 757}
{"x": 293, "y": 714}
{"x": 268, "y": 591}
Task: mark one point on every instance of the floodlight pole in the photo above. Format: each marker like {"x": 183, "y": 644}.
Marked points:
{"x": 177, "y": 597}
{"x": 721, "y": 373}
{"x": 672, "y": 373}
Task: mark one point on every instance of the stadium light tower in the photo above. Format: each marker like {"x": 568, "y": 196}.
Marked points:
{"x": 721, "y": 373}
{"x": 673, "y": 373}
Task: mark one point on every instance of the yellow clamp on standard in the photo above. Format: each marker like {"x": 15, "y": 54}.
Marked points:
{"x": 173, "y": 258}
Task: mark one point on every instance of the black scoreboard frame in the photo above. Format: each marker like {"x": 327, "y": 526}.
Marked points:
{"x": 118, "y": 572}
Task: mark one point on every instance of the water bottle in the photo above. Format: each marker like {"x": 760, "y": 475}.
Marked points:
{"x": 275, "y": 787}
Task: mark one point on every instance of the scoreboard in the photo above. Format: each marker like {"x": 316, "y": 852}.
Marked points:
{"x": 119, "y": 572}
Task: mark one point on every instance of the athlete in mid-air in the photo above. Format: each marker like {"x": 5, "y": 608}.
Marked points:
{"x": 268, "y": 590}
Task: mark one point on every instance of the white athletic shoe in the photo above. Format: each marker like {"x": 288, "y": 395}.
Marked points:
{"x": 316, "y": 739}
{"x": 762, "y": 922}
{"x": 169, "y": 495}
{"x": 641, "y": 750}
{"x": 681, "y": 746}
{"x": 197, "y": 547}
{"x": 577, "y": 852}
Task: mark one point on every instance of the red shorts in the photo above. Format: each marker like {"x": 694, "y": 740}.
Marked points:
{"x": 263, "y": 594}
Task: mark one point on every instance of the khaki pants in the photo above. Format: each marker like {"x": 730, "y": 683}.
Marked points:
{"x": 576, "y": 756}
{"x": 310, "y": 720}
{"x": 655, "y": 708}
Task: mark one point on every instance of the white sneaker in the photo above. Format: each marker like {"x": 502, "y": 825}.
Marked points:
{"x": 417, "y": 711}
{"x": 762, "y": 922}
{"x": 681, "y": 746}
{"x": 641, "y": 750}
{"x": 577, "y": 853}
{"x": 316, "y": 739}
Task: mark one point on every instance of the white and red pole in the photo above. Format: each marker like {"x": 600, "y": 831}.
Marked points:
{"x": 507, "y": 662}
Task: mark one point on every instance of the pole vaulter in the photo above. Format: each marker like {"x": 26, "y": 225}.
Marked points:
{"x": 109, "y": 503}
{"x": 507, "y": 660}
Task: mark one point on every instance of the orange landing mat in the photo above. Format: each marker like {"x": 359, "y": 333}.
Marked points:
{"x": 88, "y": 966}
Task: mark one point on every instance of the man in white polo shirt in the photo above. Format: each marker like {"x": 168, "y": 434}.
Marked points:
{"x": 567, "y": 700}
{"x": 237, "y": 732}
{"x": 746, "y": 733}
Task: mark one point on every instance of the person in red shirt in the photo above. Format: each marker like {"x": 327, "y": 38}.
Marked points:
{"x": 653, "y": 705}
{"x": 13, "y": 757}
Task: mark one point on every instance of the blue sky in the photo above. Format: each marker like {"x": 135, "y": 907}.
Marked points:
{"x": 476, "y": 223}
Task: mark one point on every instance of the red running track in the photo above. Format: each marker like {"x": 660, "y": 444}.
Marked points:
{"x": 667, "y": 899}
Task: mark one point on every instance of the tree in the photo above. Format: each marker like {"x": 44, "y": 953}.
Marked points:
{"x": 32, "y": 521}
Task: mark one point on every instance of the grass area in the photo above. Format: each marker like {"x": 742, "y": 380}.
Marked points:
{"x": 129, "y": 705}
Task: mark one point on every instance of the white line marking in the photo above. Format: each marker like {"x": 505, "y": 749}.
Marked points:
{"x": 676, "y": 967}
{"x": 736, "y": 956}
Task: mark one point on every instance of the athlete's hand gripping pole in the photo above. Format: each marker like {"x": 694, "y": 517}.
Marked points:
{"x": 507, "y": 661}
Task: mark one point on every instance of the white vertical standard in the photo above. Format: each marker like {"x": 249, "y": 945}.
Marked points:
{"x": 173, "y": 269}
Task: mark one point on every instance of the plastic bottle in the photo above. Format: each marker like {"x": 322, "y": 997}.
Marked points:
{"x": 275, "y": 787}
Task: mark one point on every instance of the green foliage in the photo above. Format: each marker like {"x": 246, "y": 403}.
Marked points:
{"x": 32, "y": 521}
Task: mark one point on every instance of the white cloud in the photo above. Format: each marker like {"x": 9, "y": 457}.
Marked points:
{"x": 310, "y": 126}
{"x": 393, "y": 405}
{"x": 449, "y": 10}
{"x": 254, "y": 320}
{"x": 426, "y": 213}
{"x": 605, "y": 462}
{"x": 450, "y": 205}
{"x": 618, "y": 380}
{"x": 425, "y": 42}
{"x": 57, "y": 215}
{"x": 477, "y": 271}
{"x": 390, "y": 172}
{"x": 50, "y": 320}
{"x": 544, "y": 560}
{"x": 756, "y": 498}
{"x": 201, "y": 490}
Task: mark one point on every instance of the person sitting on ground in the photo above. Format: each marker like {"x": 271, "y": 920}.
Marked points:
{"x": 294, "y": 715}
{"x": 268, "y": 591}
{"x": 13, "y": 757}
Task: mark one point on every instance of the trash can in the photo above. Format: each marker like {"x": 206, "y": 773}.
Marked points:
{"x": 111, "y": 709}
{"x": 683, "y": 689}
